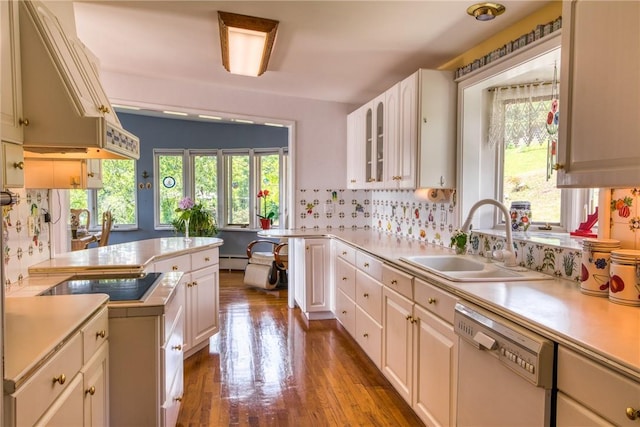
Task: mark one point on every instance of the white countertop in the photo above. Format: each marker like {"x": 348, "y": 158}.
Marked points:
{"x": 36, "y": 326}
{"x": 123, "y": 257}
{"x": 553, "y": 308}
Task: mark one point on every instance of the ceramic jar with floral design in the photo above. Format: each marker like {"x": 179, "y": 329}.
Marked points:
{"x": 596, "y": 254}
{"x": 625, "y": 277}
{"x": 520, "y": 216}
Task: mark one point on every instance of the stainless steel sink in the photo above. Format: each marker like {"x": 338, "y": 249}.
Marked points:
{"x": 469, "y": 268}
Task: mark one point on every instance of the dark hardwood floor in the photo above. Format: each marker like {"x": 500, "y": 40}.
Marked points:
{"x": 268, "y": 367}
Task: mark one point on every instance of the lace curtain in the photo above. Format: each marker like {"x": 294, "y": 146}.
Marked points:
{"x": 518, "y": 115}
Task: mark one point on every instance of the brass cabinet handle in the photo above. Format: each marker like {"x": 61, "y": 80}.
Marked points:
{"x": 194, "y": 283}
{"x": 60, "y": 379}
{"x": 23, "y": 122}
{"x": 366, "y": 265}
{"x": 174, "y": 267}
{"x": 394, "y": 282}
{"x": 104, "y": 109}
{"x": 431, "y": 300}
{"x": 557, "y": 166}
{"x": 344, "y": 279}
{"x": 344, "y": 253}
{"x": 366, "y": 335}
{"x": 632, "y": 413}
{"x": 353, "y": 181}
{"x": 366, "y": 295}
{"x": 91, "y": 174}
{"x": 178, "y": 399}
{"x": 190, "y": 284}
{"x": 101, "y": 334}
{"x": 91, "y": 390}
{"x": 207, "y": 259}
{"x": 18, "y": 165}
{"x": 410, "y": 318}
{"x": 177, "y": 347}
{"x": 344, "y": 311}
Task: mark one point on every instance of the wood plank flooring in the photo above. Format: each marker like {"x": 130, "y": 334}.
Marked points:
{"x": 268, "y": 367}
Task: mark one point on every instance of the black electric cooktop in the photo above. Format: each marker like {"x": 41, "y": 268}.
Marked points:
{"x": 118, "y": 288}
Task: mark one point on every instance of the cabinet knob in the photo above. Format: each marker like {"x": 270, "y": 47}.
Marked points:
{"x": 177, "y": 347}
{"x": 344, "y": 253}
{"x": 190, "y": 284}
{"x": 557, "y": 166}
{"x": 207, "y": 259}
{"x": 409, "y": 318}
{"x": 366, "y": 265}
{"x": 60, "y": 379}
{"x": 344, "y": 279}
{"x": 394, "y": 282}
{"x": 632, "y": 413}
{"x": 174, "y": 267}
{"x": 431, "y": 300}
{"x": 91, "y": 174}
{"x": 178, "y": 399}
{"x": 103, "y": 109}
{"x": 366, "y": 295}
{"x": 353, "y": 181}
{"x": 23, "y": 122}
{"x": 344, "y": 311}
{"x": 366, "y": 335}
{"x": 91, "y": 390}
{"x": 101, "y": 334}
{"x": 18, "y": 165}
{"x": 194, "y": 283}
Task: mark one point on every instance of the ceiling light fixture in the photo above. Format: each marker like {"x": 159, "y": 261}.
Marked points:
{"x": 246, "y": 43}
{"x": 485, "y": 11}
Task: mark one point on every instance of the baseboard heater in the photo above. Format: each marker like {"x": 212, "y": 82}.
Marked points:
{"x": 233, "y": 262}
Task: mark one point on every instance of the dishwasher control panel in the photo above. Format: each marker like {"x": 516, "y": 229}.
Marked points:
{"x": 524, "y": 352}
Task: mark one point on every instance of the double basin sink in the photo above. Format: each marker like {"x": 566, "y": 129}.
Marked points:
{"x": 469, "y": 268}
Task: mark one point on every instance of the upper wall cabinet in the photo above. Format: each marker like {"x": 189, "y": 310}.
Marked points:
{"x": 11, "y": 107}
{"x": 405, "y": 138}
{"x": 600, "y": 95}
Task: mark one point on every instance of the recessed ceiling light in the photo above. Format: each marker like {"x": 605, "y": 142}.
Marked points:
{"x": 485, "y": 11}
{"x": 243, "y": 121}
{"x": 277, "y": 125}
{"x": 204, "y": 116}
{"x": 125, "y": 107}
{"x": 175, "y": 113}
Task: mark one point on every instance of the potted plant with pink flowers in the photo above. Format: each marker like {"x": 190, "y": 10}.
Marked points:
{"x": 270, "y": 210}
{"x": 194, "y": 220}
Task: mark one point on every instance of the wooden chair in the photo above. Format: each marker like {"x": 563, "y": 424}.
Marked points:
{"x": 107, "y": 222}
{"x": 77, "y": 213}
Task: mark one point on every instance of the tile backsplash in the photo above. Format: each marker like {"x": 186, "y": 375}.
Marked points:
{"x": 625, "y": 217}
{"x": 333, "y": 208}
{"x": 25, "y": 236}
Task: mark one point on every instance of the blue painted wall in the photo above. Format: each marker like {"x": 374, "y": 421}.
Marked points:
{"x": 159, "y": 132}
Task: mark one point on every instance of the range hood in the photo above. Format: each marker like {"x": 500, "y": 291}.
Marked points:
{"x": 67, "y": 113}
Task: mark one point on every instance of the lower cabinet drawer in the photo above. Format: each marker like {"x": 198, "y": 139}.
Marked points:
{"x": 203, "y": 259}
{"x": 345, "y": 276}
{"x": 346, "y": 312}
{"x": 369, "y": 295}
{"x": 369, "y": 336}
{"x": 435, "y": 300}
{"x": 95, "y": 333}
{"x": 40, "y": 391}
{"x": 177, "y": 263}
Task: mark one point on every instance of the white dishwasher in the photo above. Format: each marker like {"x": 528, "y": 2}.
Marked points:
{"x": 505, "y": 372}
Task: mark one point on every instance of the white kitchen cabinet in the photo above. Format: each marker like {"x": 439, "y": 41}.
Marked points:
{"x": 355, "y": 149}
{"x": 409, "y": 135}
{"x": 201, "y": 286}
{"x": 435, "y": 355}
{"x": 311, "y": 272}
{"x": 428, "y": 125}
{"x": 55, "y": 394}
{"x": 11, "y": 116}
{"x": 599, "y": 95}
{"x": 58, "y": 173}
{"x": 93, "y": 173}
{"x": 13, "y": 168}
{"x": 397, "y": 342}
{"x": 96, "y": 389}
{"x": 146, "y": 363}
{"x": 590, "y": 391}
{"x": 374, "y": 142}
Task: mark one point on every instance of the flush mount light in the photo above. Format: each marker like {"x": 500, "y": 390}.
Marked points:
{"x": 485, "y": 11}
{"x": 246, "y": 43}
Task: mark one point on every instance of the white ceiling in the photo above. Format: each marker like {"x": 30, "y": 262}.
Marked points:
{"x": 342, "y": 51}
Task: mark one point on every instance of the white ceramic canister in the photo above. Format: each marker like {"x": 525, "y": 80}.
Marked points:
{"x": 520, "y": 216}
{"x": 594, "y": 279}
{"x": 625, "y": 277}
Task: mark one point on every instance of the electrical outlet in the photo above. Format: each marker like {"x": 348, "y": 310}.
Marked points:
{"x": 329, "y": 208}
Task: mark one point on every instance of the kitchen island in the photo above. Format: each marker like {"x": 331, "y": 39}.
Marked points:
{"x": 595, "y": 328}
{"x": 148, "y": 338}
